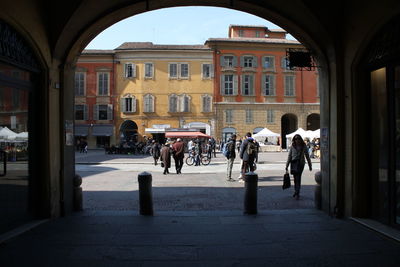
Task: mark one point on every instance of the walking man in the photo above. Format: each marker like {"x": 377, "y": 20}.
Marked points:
{"x": 179, "y": 153}
{"x": 231, "y": 155}
{"x": 248, "y": 151}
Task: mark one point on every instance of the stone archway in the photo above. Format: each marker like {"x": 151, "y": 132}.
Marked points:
{"x": 288, "y": 125}
{"x": 128, "y": 131}
{"x": 313, "y": 122}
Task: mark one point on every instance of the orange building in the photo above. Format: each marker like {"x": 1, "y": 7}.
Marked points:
{"x": 94, "y": 98}
{"x": 251, "y": 67}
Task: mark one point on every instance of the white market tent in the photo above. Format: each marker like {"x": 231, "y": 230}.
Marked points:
{"x": 22, "y": 136}
{"x": 261, "y": 135}
{"x": 6, "y": 133}
{"x": 304, "y": 134}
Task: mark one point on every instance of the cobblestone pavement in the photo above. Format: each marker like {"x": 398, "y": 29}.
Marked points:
{"x": 110, "y": 183}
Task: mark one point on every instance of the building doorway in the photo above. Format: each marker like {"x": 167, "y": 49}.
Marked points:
{"x": 313, "y": 122}
{"x": 129, "y": 131}
{"x": 288, "y": 125}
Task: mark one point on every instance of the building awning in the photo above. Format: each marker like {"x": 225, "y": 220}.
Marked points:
{"x": 186, "y": 135}
{"x": 154, "y": 130}
{"x": 102, "y": 130}
{"x": 81, "y": 130}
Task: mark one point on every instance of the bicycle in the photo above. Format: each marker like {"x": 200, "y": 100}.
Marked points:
{"x": 191, "y": 159}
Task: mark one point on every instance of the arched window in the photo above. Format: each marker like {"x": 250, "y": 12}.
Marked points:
{"x": 185, "y": 103}
{"x": 179, "y": 103}
{"x": 173, "y": 103}
{"x": 206, "y": 101}
{"x": 128, "y": 103}
{"x": 148, "y": 102}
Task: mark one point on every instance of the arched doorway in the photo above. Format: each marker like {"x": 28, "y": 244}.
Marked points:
{"x": 128, "y": 131}
{"x": 288, "y": 125}
{"x": 313, "y": 122}
{"x": 20, "y": 124}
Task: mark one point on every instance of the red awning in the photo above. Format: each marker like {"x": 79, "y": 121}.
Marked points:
{"x": 186, "y": 135}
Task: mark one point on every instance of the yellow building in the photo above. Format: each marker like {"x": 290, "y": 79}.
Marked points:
{"x": 163, "y": 86}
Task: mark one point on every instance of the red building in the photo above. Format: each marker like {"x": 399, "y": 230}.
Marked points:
{"x": 255, "y": 88}
{"x": 94, "y": 98}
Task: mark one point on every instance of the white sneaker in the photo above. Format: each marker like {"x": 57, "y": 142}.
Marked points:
{"x": 240, "y": 177}
{"x": 241, "y": 180}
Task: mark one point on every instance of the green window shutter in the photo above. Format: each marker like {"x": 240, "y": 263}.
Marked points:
{"x": 85, "y": 112}
{"x": 255, "y": 62}
{"x": 109, "y": 112}
{"x": 272, "y": 84}
{"x": 134, "y": 104}
{"x": 222, "y": 61}
{"x": 235, "y": 85}
{"x": 212, "y": 70}
{"x": 242, "y": 61}
{"x": 122, "y": 104}
{"x": 251, "y": 84}
{"x": 235, "y": 63}
{"x": 96, "y": 112}
{"x": 221, "y": 84}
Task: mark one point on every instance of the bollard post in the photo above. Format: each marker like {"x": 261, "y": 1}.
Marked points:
{"x": 78, "y": 199}
{"x": 250, "y": 194}
{"x": 145, "y": 193}
{"x": 317, "y": 192}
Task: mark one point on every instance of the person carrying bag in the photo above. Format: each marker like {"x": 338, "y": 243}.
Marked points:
{"x": 297, "y": 157}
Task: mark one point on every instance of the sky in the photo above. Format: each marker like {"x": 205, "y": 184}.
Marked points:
{"x": 178, "y": 25}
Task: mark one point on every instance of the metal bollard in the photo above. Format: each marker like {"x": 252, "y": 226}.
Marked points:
{"x": 317, "y": 192}
{"x": 250, "y": 194}
{"x": 78, "y": 199}
{"x": 145, "y": 193}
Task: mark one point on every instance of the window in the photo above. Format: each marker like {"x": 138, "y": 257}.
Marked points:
{"x": 81, "y": 112}
{"x": 228, "y": 61}
{"x": 79, "y": 83}
{"x": 16, "y": 98}
{"x": 206, "y": 100}
{"x": 269, "y": 62}
{"x": 130, "y": 70}
{"x": 270, "y": 116}
{"x": 148, "y": 103}
{"x": 248, "y": 62}
{"x": 173, "y": 70}
{"x": 103, "y": 83}
{"x": 228, "y": 116}
{"x": 128, "y": 104}
{"x": 184, "y": 70}
{"x": 249, "y": 116}
{"x": 241, "y": 33}
{"x": 229, "y": 84}
{"x": 269, "y": 85}
{"x": 148, "y": 70}
{"x": 285, "y": 63}
{"x": 247, "y": 84}
{"x": 103, "y": 112}
{"x": 173, "y": 103}
{"x": 207, "y": 71}
{"x": 185, "y": 103}
{"x": 258, "y": 34}
{"x": 289, "y": 86}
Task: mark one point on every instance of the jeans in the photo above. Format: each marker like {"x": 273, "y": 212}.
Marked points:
{"x": 229, "y": 168}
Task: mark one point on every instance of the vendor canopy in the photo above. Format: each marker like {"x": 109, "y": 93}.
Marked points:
{"x": 266, "y": 133}
{"x": 186, "y": 135}
{"x": 6, "y": 133}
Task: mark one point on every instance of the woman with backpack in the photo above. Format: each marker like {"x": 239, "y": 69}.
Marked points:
{"x": 297, "y": 154}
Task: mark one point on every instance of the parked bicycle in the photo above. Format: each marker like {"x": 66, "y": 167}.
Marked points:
{"x": 191, "y": 159}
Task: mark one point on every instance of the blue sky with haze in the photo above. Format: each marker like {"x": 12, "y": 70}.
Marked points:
{"x": 178, "y": 25}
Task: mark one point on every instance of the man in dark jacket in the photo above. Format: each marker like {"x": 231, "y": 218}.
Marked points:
{"x": 231, "y": 146}
{"x": 179, "y": 153}
{"x": 247, "y": 154}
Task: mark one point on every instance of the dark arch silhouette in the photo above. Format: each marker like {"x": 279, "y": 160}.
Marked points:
{"x": 128, "y": 130}
{"x": 313, "y": 122}
{"x": 288, "y": 125}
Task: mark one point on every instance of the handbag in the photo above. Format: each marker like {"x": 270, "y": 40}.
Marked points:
{"x": 294, "y": 166}
{"x": 162, "y": 164}
{"x": 286, "y": 181}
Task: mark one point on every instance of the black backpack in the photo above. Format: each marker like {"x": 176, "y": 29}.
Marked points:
{"x": 251, "y": 148}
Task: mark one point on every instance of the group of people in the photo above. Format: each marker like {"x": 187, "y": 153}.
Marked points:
{"x": 248, "y": 151}
{"x": 164, "y": 152}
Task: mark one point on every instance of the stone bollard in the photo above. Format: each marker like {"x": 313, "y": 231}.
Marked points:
{"x": 250, "y": 194}
{"x": 145, "y": 193}
{"x": 78, "y": 199}
{"x": 317, "y": 193}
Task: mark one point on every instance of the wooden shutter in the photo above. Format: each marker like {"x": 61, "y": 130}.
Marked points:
{"x": 134, "y": 104}
{"x": 212, "y": 70}
{"x": 242, "y": 61}
{"x": 235, "y": 61}
{"x": 109, "y": 112}
{"x": 222, "y": 61}
{"x": 85, "y": 112}
{"x": 122, "y": 104}
{"x": 255, "y": 62}
{"x": 251, "y": 84}
{"x": 96, "y": 112}
{"x": 235, "y": 84}
{"x": 272, "y": 84}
